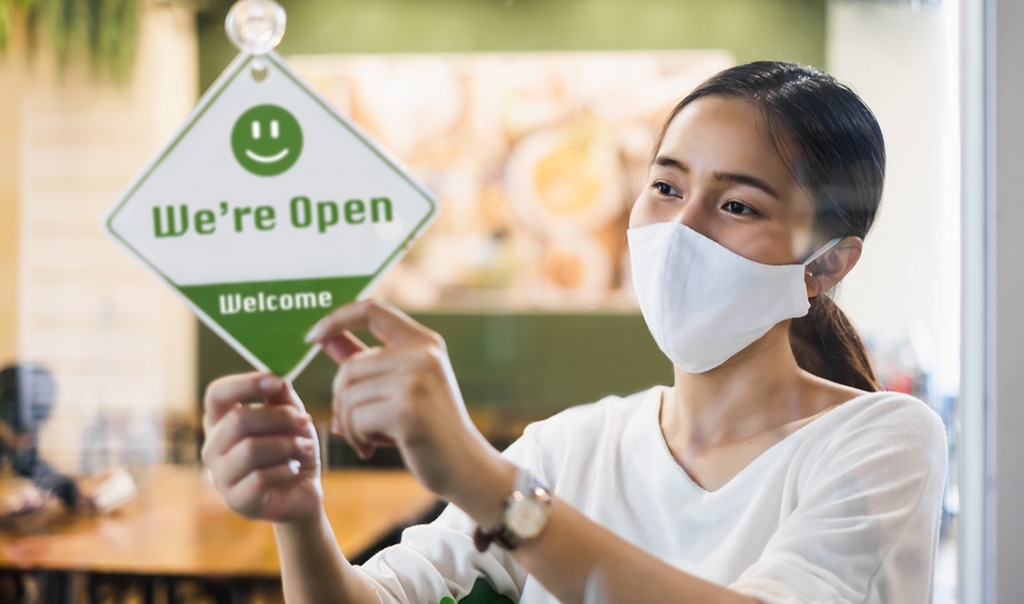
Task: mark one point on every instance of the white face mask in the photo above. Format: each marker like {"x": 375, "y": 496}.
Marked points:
{"x": 703, "y": 302}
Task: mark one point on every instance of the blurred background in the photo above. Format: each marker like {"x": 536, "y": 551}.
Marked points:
{"x": 531, "y": 121}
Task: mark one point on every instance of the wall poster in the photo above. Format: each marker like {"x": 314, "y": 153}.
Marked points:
{"x": 535, "y": 157}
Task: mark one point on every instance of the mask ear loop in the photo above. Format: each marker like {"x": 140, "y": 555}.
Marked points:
{"x": 821, "y": 252}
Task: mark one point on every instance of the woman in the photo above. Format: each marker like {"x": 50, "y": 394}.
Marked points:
{"x": 770, "y": 471}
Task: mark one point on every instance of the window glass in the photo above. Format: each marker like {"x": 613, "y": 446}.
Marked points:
{"x": 533, "y": 122}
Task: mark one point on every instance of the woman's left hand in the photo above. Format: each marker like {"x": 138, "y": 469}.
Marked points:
{"x": 404, "y": 394}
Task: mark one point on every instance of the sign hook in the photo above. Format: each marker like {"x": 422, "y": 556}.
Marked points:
{"x": 256, "y": 27}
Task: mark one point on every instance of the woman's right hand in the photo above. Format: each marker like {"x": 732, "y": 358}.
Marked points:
{"x": 261, "y": 448}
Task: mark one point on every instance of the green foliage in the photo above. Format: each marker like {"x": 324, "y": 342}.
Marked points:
{"x": 5, "y": 22}
{"x": 103, "y": 32}
{"x": 7, "y": 8}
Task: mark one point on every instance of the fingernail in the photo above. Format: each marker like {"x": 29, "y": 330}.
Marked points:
{"x": 315, "y": 333}
{"x": 271, "y": 384}
{"x": 306, "y": 446}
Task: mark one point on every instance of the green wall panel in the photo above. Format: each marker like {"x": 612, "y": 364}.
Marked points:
{"x": 751, "y": 29}
{"x": 538, "y": 363}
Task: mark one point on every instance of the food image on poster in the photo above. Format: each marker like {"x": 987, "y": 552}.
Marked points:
{"x": 567, "y": 178}
{"x": 534, "y": 157}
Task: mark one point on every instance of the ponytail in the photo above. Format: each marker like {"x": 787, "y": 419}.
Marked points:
{"x": 826, "y": 344}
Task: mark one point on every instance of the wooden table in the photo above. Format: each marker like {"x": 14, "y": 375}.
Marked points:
{"x": 179, "y": 526}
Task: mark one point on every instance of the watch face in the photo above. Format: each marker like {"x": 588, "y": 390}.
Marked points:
{"x": 526, "y": 517}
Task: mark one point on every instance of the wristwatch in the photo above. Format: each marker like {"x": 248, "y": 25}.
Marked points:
{"x": 525, "y": 516}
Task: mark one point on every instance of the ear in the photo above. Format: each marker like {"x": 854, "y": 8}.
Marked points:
{"x": 827, "y": 271}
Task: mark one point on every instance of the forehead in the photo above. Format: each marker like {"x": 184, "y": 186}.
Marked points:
{"x": 727, "y": 135}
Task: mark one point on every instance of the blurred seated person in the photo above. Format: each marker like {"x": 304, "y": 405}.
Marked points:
{"x": 27, "y": 395}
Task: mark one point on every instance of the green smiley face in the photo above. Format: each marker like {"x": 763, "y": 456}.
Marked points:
{"x": 266, "y": 140}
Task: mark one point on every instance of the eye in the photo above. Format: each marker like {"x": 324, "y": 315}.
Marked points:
{"x": 738, "y": 207}
{"x": 663, "y": 188}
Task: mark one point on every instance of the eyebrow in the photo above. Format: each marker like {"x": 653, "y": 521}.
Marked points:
{"x": 731, "y": 177}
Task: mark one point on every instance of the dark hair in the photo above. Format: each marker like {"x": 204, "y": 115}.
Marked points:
{"x": 840, "y": 159}
{"x": 27, "y": 395}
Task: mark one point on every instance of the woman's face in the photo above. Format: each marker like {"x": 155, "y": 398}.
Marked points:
{"x": 717, "y": 173}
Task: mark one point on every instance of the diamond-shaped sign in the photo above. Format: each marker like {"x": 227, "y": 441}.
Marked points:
{"x": 268, "y": 209}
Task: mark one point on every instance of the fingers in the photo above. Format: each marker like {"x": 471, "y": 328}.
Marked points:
{"x": 364, "y": 425}
{"x": 382, "y": 398}
{"x": 286, "y": 397}
{"x": 247, "y": 421}
{"x": 262, "y": 453}
{"x": 378, "y": 375}
{"x": 386, "y": 395}
{"x": 363, "y": 437}
{"x": 377, "y": 361}
{"x": 341, "y": 421}
{"x": 369, "y": 422}
{"x": 343, "y": 346}
{"x": 226, "y": 393}
{"x": 250, "y": 494}
{"x": 241, "y": 438}
{"x": 387, "y": 323}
